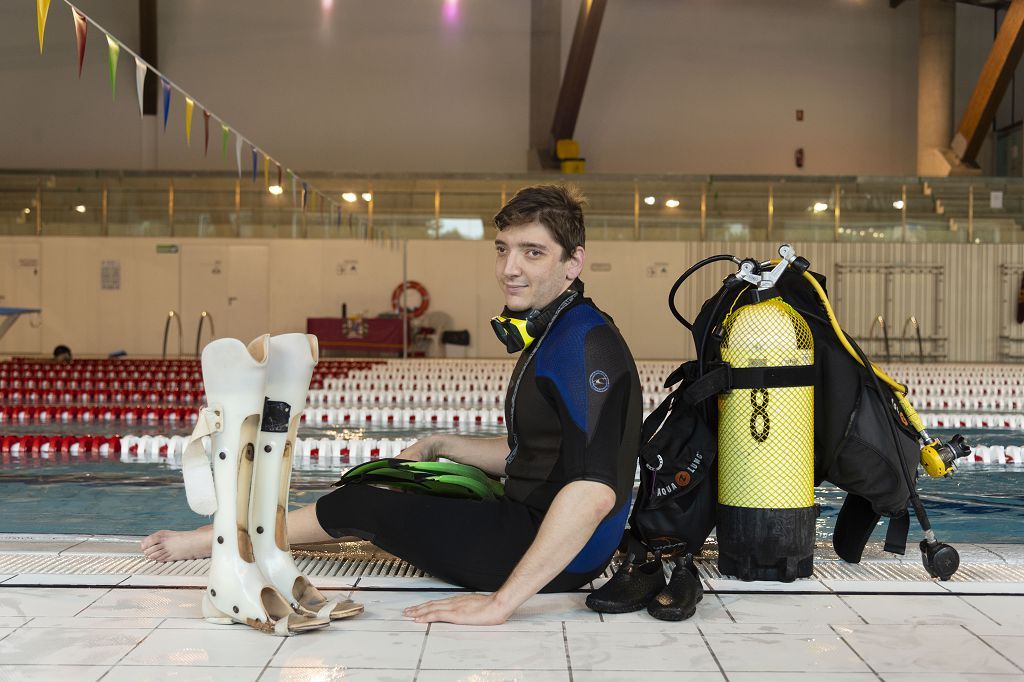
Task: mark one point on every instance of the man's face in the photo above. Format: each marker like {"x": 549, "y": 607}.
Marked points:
{"x": 529, "y": 266}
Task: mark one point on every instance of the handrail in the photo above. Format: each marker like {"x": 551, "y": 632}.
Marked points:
{"x": 880, "y": 322}
{"x": 171, "y": 314}
{"x": 203, "y": 317}
{"x": 903, "y": 338}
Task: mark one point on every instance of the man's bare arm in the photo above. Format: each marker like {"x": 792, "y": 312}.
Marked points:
{"x": 571, "y": 520}
{"x": 487, "y": 454}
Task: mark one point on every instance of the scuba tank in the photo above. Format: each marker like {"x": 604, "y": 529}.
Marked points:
{"x": 766, "y": 510}
{"x": 867, "y": 438}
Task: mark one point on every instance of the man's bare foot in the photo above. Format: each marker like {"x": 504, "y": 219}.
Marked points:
{"x": 173, "y": 545}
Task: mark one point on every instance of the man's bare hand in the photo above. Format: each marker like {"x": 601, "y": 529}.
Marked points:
{"x": 464, "y": 609}
{"x": 424, "y": 450}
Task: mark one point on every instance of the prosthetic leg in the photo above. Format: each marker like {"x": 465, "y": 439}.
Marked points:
{"x": 290, "y": 367}
{"x": 235, "y": 377}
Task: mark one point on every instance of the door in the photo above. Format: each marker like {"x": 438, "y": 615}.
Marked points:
{"x": 20, "y": 288}
{"x": 231, "y": 284}
{"x": 248, "y": 287}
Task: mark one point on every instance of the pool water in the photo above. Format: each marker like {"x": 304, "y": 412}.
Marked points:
{"x": 982, "y": 503}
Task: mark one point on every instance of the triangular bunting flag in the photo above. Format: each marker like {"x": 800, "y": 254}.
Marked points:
{"x": 266, "y": 171}
{"x": 189, "y": 106}
{"x": 278, "y": 174}
{"x": 305, "y": 191}
{"x": 223, "y": 141}
{"x": 113, "y": 51}
{"x": 140, "y": 80}
{"x": 238, "y": 153}
{"x": 206, "y": 131}
{"x": 81, "y": 29}
{"x": 42, "y": 9}
{"x": 292, "y": 176}
{"x": 167, "y": 100}
{"x": 255, "y": 163}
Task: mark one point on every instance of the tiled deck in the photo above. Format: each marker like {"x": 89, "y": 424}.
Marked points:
{"x": 69, "y": 627}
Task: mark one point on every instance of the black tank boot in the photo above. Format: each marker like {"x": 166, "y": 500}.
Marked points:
{"x": 678, "y": 601}
{"x": 631, "y": 588}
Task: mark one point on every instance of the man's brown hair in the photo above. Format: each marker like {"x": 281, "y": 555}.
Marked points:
{"x": 557, "y": 207}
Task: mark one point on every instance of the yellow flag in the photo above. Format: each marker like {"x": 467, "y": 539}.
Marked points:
{"x": 189, "y": 105}
{"x": 42, "y": 9}
{"x": 266, "y": 172}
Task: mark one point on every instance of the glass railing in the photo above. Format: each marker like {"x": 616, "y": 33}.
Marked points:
{"x": 662, "y": 208}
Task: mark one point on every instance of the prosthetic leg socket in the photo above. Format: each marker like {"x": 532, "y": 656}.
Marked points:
{"x": 289, "y": 370}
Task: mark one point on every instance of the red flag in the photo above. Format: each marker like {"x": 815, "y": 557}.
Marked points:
{"x": 81, "y": 28}
{"x": 206, "y": 131}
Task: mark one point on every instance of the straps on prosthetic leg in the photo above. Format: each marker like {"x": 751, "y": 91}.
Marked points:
{"x": 195, "y": 462}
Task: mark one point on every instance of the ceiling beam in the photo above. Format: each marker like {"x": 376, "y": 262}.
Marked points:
{"x": 574, "y": 81}
{"x": 148, "y": 51}
{"x": 991, "y": 86}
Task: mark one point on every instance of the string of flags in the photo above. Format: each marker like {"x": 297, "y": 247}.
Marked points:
{"x": 303, "y": 194}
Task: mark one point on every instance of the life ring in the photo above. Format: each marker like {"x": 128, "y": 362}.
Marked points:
{"x": 411, "y": 285}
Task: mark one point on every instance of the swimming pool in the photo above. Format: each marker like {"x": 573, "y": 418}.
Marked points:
{"x": 979, "y": 504}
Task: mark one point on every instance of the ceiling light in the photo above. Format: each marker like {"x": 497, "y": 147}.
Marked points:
{"x": 80, "y": 208}
{"x": 820, "y": 207}
{"x": 898, "y": 204}
{"x": 275, "y": 189}
{"x": 649, "y": 201}
{"x": 672, "y": 203}
{"x": 349, "y": 196}
{"x": 27, "y": 211}
{"x": 367, "y": 196}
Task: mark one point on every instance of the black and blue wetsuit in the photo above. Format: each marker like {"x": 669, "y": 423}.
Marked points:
{"x": 573, "y": 412}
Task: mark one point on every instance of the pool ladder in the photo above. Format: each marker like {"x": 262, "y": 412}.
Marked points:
{"x": 171, "y": 315}
{"x": 879, "y": 323}
{"x": 204, "y": 317}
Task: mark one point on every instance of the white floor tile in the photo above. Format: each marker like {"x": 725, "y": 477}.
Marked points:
{"x": 42, "y": 601}
{"x": 547, "y": 626}
{"x": 331, "y": 582}
{"x": 493, "y": 676}
{"x": 107, "y": 545}
{"x": 64, "y": 579}
{"x": 1004, "y": 610}
{"x": 337, "y": 673}
{"x": 483, "y": 650}
{"x": 49, "y": 673}
{"x": 733, "y": 585}
{"x": 649, "y": 626}
{"x": 389, "y": 605}
{"x": 94, "y": 623}
{"x": 883, "y": 586}
{"x": 991, "y": 629}
{"x": 241, "y": 646}
{"x": 174, "y": 673}
{"x": 975, "y": 588}
{"x": 782, "y": 653}
{"x": 351, "y": 649}
{"x": 648, "y": 676}
{"x": 6, "y": 631}
{"x": 121, "y": 603}
{"x": 914, "y": 609}
{"x": 811, "y": 628}
{"x": 197, "y": 581}
{"x": 1011, "y": 647}
{"x": 4, "y": 577}
{"x": 570, "y": 606}
{"x": 392, "y": 582}
{"x": 40, "y": 546}
{"x": 804, "y": 676}
{"x": 912, "y": 648}
{"x": 653, "y": 651}
{"x": 12, "y": 621}
{"x": 950, "y": 677}
{"x": 69, "y": 646}
{"x": 788, "y": 608}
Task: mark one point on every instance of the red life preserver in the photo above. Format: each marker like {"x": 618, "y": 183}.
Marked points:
{"x": 396, "y": 298}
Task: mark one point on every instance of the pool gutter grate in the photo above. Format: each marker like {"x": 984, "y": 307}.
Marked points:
{"x": 340, "y": 566}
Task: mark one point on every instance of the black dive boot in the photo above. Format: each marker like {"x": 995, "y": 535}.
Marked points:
{"x": 632, "y": 586}
{"x": 678, "y": 601}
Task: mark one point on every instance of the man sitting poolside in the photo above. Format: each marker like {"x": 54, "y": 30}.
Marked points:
{"x": 573, "y": 414}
